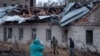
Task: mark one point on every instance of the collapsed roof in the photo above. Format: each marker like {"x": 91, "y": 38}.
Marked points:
{"x": 71, "y": 12}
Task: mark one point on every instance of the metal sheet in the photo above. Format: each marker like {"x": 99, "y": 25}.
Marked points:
{"x": 67, "y": 8}
{"x": 43, "y": 17}
{"x": 73, "y": 13}
{"x": 4, "y": 10}
{"x": 69, "y": 18}
{"x": 14, "y": 18}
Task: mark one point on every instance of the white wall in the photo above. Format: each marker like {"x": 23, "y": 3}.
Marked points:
{"x": 78, "y": 34}
{"x": 40, "y": 31}
{"x": 57, "y": 32}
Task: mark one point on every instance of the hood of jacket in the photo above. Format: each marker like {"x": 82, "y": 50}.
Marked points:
{"x": 36, "y": 41}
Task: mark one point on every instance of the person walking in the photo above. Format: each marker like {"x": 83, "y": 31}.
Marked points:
{"x": 36, "y": 48}
{"x": 54, "y": 44}
{"x": 71, "y": 47}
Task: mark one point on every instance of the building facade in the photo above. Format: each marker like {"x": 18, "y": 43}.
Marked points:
{"x": 86, "y": 31}
{"x": 24, "y": 33}
{"x": 22, "y": 3}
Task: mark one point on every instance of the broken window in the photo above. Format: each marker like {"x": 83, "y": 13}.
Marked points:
{"x": 4, "y": 5}
{"x": 20, "y": 33}
{"x": 13, "y": 5}
{"x": 64, "y": 35}
{"x": 33, "y": 33}
{"x": 89, "y": 36}
{"x": 7, "y": 33}
{"x": 48, "y": 34}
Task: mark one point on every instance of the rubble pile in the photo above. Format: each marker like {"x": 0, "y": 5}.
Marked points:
{"x": 61, "y": 14}
{"x": 20, "y": 15}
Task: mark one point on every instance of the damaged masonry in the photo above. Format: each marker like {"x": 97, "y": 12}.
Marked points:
{"x": 52, "y": 21}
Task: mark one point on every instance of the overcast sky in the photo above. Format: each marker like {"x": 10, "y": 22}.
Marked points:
{"x": 51, "y": 1}
{"x": 43, "y": 1}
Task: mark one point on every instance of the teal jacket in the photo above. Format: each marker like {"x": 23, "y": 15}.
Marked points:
{"x": 36, "y": 48}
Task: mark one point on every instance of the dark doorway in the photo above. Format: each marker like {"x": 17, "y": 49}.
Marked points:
{"x": 48, "y": 34}
{"x": 65, "y": 35}
{"x": 89, "y": 37}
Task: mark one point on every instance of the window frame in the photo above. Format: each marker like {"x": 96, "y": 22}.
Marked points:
{"x": 33, "y": 30}
{"x": 7, "y": 33}
{"x": 64, "y": 35}
{"x": 89, "y": 37}
{"x": 21, "y": 33}
{"x": 48, "y": 34}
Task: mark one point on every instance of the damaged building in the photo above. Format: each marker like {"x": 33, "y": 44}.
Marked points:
{"x": 80, "y": 22}
{"x": 20, "y": 26}
{"x": 85, "y": 30}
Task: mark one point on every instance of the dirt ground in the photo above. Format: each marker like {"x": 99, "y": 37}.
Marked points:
{"x": 9, "y": 49}
{"x": 65, "y": 52}
{"x": 61, "y": 52}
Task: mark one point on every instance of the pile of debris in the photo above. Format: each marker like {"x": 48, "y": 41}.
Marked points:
{"x": 62, "y": 14}
{"x": 15, "y": 13}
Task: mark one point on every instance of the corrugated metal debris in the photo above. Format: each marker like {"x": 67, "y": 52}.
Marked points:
{"x": 43, "y": 17}
{"x": 73, "y": 15}
{"x": 63, "y": 16}
{"x": 5, "y": 10}
{"x": 74, "y": 11}
{"x": 13, "y": 18}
